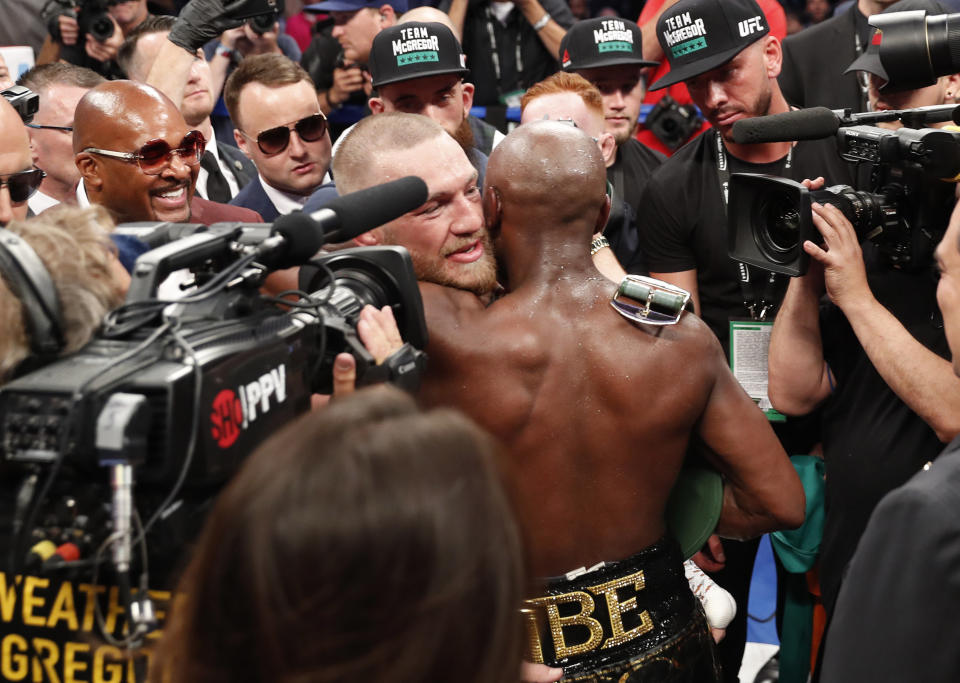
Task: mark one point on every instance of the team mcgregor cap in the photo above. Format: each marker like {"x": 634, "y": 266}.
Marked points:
{"x": 602, "y": 42}
{"x": 869, "y": 60}
{"x": 699, "y": 35}
{"x": 399, "y": 6}
{"x": 413, "y": 50}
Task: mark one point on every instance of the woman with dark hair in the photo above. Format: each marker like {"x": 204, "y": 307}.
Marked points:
{"x": 367, "y": 542}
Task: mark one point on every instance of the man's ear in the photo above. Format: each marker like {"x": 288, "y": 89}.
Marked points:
{"x": 468, "y": 91}
{"x": 89, "y": 171}
{"x": 772, "y": 55}
{"x": 492, "y": 209}
{"x": 376, "y": 105}
{"x": 370, "y": 238}
{"x": 388, "y": 17}
{"x": 241, "y": 142}
{"x": 608, "y": 148}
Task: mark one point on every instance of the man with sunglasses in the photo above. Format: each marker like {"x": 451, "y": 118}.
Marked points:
{"x": 18, "y": 178}
{"x": 138, "y": 158}
{"x": 60, "y": 86}
{"x": 279, "y": 126}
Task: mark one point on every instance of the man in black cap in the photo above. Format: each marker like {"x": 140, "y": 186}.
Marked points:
{"x": 871, "y": 72}
{"x": 813, "y": 59}
{"x": 608, "y": 52}
{"x": 419, "y": 68}
{"x": 723, "y": 51}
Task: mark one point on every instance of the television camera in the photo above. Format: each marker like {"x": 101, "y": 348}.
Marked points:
{"x": 901, "y": 204}
{"x": 177, "y": 392}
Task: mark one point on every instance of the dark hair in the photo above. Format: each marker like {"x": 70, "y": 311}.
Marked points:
{"x": 42, "y": 76}
{"x": 152, "y": 24}
{"x": 270, "y": 70}
{"x": 366, "y": 542}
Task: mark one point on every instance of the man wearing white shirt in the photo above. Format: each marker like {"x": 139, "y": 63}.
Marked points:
{"x": 59, "y": 87}
{"x": 279, "y": 126}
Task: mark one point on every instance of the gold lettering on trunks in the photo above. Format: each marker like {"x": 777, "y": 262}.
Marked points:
{"x": 616, "y": 608}
{"x": 581, "y": 618}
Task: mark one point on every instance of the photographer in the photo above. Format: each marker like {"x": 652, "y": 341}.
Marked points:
{"x": 90, "y": 33}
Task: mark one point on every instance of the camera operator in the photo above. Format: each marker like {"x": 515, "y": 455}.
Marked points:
{"x": 869, "y": 69}
{"x": 874, "y": 357}
{"x": 731, "y": 75}
{"x": 918, "y": 580}
{"x": 91, "y": 35}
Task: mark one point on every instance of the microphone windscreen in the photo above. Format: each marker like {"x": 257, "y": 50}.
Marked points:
{"x": 364, "y": 210}
{"x": 303, "y": 236}
{"x": 804, "y": 124}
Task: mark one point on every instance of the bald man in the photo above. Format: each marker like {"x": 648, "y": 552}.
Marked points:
{"x": 18, "y": 179}
{"x": 115, "y": 124}
{"x": 597, "y": 413}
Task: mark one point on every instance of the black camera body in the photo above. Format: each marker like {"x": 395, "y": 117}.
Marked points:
{"x": 92, "y": 19}
{"x": 254, "y": 364}
{"x": 23, "y": 100}
{"x": 902, "y": 206}
{"x": 672, "y": 123}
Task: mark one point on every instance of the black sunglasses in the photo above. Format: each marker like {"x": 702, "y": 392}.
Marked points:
{"x": 22, "y": 184}
{"x": 275, "y": 140}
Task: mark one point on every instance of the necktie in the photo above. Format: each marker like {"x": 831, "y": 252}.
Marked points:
{"x": 217, "y": 188}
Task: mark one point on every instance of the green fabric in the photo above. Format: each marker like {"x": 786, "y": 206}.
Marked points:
{"x": 798, "y": 548}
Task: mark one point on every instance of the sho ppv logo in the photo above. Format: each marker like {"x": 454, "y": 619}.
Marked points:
{"x": 233, "y": 410}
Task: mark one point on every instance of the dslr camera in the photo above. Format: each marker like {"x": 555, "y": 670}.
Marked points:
{"x": 92, "y": 19}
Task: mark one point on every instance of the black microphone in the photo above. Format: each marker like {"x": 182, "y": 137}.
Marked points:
{"x": 358, "y": 212}
{"x": 804, "y": 124}
{"x": 295, "y": 240}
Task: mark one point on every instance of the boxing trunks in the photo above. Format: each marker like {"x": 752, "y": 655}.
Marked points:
{"x": 623, "y": 622}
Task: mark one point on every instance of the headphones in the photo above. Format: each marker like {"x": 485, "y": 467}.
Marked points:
{"x": 26, "y": 275}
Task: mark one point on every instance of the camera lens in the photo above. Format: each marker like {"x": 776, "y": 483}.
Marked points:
{"x": 778, "y": 218}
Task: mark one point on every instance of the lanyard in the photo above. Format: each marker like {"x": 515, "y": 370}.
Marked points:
{"x": 495, "y": 55}
{"x": 757, "y": 307}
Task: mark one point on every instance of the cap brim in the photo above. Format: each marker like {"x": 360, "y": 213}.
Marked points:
{"x": 869, "y": 62}
{"x": 702, "y": 66}
{"x": 617, "y": 61}
{"x": 423, "y": 74}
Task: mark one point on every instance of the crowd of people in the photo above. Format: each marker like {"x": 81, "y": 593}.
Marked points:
{"x": 592, "y": 347}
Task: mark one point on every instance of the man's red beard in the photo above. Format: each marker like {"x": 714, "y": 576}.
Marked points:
{"x": 464, "y": 135}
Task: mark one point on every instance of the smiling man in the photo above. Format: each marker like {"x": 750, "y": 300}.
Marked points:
{"x": 139, "y": 159}
{"x": 445, "y": 236}
{"x": 279, "y": 126}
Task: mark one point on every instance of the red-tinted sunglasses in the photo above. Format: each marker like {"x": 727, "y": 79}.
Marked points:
{"x": 154, "y": 155}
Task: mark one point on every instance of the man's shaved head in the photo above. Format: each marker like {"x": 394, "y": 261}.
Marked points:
{"x": 121, "y": 116}
{"x": 548, "y": 167}
{"x": 427, "y": 13}
{"x": 367, "y": 149}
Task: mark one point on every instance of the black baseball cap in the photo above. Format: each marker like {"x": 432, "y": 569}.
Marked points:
{"x": 869, "y": 60}
{"x": 700, "y": 35}
{"x": 602, "y": 42}
{"x": 413, "y": 50}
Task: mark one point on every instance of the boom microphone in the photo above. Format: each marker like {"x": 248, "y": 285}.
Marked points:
{"x": 358, "y": 212}
{"x": 804, "y": 124}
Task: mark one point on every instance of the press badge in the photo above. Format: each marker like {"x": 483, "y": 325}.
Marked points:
{"x": 749, "y": 344}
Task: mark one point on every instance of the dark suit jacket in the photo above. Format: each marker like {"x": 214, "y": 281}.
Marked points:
{"x": 207, "y": 212}
{"x": 242, "y": 168}
{"x": 814, "y": 61}
{"x": 896, "y": 615}
{"x": 253, "y": 197}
